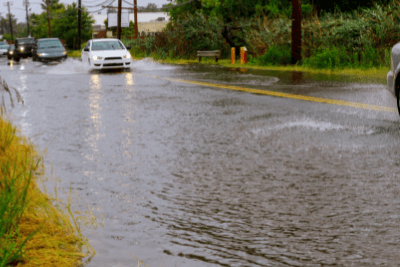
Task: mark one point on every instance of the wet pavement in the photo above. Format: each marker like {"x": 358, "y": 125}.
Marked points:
{"x": 188, "y": 175}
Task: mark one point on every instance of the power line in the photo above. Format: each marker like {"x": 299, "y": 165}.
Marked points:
{"x": 103, "y": 3}
{"x": 159, "y": 9}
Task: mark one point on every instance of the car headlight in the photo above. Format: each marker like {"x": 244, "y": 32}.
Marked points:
{"x": 42, "y": 54}
{"x": 11, "y": 52}
{"x": 96, "y": 57}
{"x": 64, "y": 52}
{"x": 21, "y": 49}
{"x": 127, "y": 56}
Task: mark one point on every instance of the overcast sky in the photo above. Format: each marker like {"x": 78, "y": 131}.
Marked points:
{"x": 18, "y": 9}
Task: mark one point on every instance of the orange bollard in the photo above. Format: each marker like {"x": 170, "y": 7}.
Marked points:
{"x": 233, "y": 55}
{"x": 242, "y": 55}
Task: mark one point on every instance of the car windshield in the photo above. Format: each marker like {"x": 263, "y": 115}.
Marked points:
{"x": 49, "y": 44}
{"x": 107, "y": 45}
{"x": 26, "y": 41}
{"x": 4, "y": 46}
{"x": 12, "y": 47}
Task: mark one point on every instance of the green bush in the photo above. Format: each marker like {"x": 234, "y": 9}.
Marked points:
{"x": 370, "y": 58}
{"x": 329, "y": 59}
{"x": 276, "y": 55}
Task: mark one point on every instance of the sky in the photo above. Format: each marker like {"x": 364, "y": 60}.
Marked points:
{"x": 18, "y": 9}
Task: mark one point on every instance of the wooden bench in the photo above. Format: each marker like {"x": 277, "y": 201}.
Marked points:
{"x": 216, "y": 54}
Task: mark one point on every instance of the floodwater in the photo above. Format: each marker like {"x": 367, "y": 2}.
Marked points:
{"x": 186, "y": 175}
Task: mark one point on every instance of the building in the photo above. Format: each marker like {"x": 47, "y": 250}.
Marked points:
{"x": 148, "y": 22}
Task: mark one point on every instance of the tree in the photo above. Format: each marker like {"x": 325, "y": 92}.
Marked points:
{"x": 296, "y": 31}
{"x": 345, "y": 5}
{"x": 64, "y": 23}
{"x": 5, "y": 24}
{"x": 151, "y": 7}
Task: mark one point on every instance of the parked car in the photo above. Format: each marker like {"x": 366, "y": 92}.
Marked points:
{"x": 393, "y": 77}
{"x": 106, "y": 53}
{"x": 3, "y": 49}
{"x": 10, "y": 51}
{"x": 49, "y": 49}
{"x": 23, "y": 48}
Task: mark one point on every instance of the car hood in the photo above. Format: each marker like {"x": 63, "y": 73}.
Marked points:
{"x": 51, "y": 50}
{"x": 109, "y": 53}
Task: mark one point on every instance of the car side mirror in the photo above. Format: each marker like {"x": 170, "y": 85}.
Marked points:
{"x": 86, "y": 49}
{"x": 128, "y": 47}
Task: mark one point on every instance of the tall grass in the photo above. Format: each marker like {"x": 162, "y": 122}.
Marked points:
{"x": 33, "y": 231}
{"x": 361, "y": 38}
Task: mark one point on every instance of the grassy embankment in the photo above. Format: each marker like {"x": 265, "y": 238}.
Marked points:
{"x": 372, "y": 72}
{"x": 35, "y": 228}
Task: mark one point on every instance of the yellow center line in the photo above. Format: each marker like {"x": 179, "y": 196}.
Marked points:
{"x": 285, "y": 95}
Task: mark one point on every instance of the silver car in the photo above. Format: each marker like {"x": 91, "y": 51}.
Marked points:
{"x": 3, "y": 49}
{"x": 393, "y": 77}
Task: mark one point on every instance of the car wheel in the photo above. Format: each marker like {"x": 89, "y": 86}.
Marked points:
{"x": 16, "y": 59}
{"x": 34, "y": 58}
{"x": 8, "y": 57}
{"x": 398, "y": 98}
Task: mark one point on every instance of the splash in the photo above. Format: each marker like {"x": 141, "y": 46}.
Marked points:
{"x": 313, "y": 125}
{"x": 149, "y": 64}
{"x": 70, "y": 66}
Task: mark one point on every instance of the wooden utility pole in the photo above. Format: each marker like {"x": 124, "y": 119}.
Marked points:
{"x": 135, "y": 15}
{"x": 26, "y": 3}
{"x": 79, "y": 24}
{"x": 296, "y": 31}
{"x": 9, "y": 16}
{"x": 119, "y": 19}
{"x": 48, "y": 16}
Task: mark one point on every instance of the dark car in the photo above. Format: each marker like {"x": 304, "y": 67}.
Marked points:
{"x": 49, "y": 49}
{"x": 10, "y": 51}
{"x": 23, "y": 47}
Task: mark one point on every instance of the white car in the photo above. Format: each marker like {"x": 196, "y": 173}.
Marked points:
{"x": 4, "y": 49}
{"x": 106, "y": 53}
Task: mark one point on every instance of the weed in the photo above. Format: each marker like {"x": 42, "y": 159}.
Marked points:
{"x": 33, "y": 231}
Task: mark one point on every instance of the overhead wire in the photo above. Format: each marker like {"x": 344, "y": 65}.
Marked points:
{"x": 101, "y": 4}
{"x": 161, "y": 8}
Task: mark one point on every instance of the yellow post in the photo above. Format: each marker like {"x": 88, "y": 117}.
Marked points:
{"x": 242, "y": 55}
{"x": 233, "y": 55}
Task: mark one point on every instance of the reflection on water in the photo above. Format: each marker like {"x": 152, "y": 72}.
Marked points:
{"x": 95, "y": 115}
{"x": 297, "y": 77}
{"x": 25, "y": 124}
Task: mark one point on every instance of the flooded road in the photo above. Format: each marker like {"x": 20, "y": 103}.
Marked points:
{"x": 189, "y": 175}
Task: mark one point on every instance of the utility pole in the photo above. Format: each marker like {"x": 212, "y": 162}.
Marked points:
{"x": 119, "y": 19}
{"x": 48, "y": 16}
{"x": 79, "y": 23}
{"x": 296, "y": 31}
{"x": 9, "y": 16}
{"x": 26, "y": 3}
{"x": 135, "y": 15}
